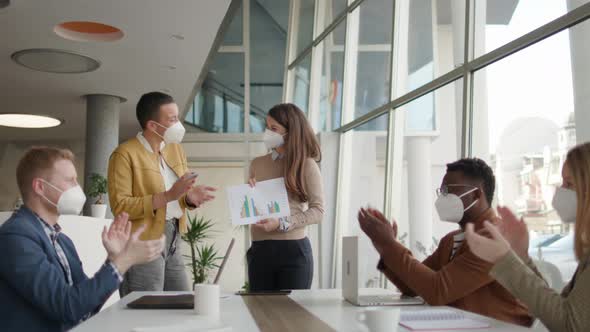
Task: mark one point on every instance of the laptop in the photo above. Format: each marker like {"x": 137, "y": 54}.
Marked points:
{"x": 176, "y": 301}
{"x": 350, "y": 281}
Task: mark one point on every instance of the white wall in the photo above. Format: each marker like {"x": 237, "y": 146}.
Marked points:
{"x": 220, "y": 175}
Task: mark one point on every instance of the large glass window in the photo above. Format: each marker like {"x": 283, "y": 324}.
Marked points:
{"x": 373, "y": 69}
{"x": 432, "y": 44}
{"x": 234, "y": 35}
{"x": 332, "y": 79}
{"x": 505, "y": 21}
{"x": 304, "y": 25}
{"x": 420, "y": 164}
{"x": 218, "y": 107}
{"x": 362, "y": 184}
{"x": 268, "y": 40}
{"x": 333, "y": 9}
{"x": 523, "y": 125}
{"x": 302, "y": 78}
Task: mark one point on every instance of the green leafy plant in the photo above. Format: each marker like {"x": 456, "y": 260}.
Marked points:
{"x": 246, "y": 287}
{"x": 207, "y": 257}
{"x": 203, "y": 257}
{"x": 97, "y": 187}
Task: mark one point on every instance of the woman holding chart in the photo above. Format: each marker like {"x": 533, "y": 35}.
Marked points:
{"x": 280, "y": 256}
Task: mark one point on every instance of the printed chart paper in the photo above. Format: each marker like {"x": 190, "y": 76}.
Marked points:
{"x": 268, "y": 199}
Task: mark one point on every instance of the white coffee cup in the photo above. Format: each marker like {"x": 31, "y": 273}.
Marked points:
{"x": 380, "y": 319}
{"x": 207, "y": 300}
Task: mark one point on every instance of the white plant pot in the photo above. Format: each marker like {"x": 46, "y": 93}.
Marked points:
{"x": 98, "y": 211}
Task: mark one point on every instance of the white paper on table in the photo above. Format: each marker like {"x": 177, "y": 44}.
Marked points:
{"x": 268, "y": 199}
{"x": 439, "y": 320}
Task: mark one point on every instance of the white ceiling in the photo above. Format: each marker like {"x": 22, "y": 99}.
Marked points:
{"x": 136, "y": 64}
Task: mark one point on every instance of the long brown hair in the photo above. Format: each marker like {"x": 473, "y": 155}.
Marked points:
{"x": 300, "y": 144}
{"x": 578, "y": 161}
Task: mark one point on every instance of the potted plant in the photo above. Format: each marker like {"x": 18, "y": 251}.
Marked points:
{"x": 203, "y": 258}
{"x": 97, "y": 189}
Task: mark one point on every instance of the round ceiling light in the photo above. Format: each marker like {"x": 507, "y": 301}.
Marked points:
{"x": 55, "y": 61}
{"x": 16, "y": 120}
{"x": 88, "y": 31}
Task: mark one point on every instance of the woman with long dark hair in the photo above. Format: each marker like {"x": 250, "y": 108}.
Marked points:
{"x": 280, "y": 256}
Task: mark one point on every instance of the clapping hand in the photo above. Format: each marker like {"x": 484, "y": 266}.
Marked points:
{"x": 377, "y": 228}
{"x": 115, "y": 238}
{"x": 488, "y": 249}
{"x": 138, "y": 251}
{"x": 201, "y": 194}
{"x": 515, "y": 231}
{"x": 181, "y": 186}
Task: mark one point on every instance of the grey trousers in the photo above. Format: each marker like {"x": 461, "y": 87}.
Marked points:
{"x": 166, "y": 273}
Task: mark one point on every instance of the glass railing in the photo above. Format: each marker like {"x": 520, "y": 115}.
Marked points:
{"x": 219, "y": 109}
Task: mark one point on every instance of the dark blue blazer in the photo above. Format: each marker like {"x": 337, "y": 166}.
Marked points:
{"x": 34, "y": 292}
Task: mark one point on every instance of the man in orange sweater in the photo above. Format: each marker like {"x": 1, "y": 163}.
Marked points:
{"x": 452, "y": 275}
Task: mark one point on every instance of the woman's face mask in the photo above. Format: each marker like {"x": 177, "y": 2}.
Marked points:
{"x": 70, "y": 202}
{"x": 272, "y": 139}
{"x": 450, "y": 206}
{"x": 565, "y": 203}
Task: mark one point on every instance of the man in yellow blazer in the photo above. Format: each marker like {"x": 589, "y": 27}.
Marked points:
{"x": 148, "y": 178}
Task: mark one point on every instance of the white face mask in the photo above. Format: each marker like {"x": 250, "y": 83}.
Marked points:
{"x": 70, "y": 202}
{"x": 173, "y": 134}
{"x": 272, "y": 140}
{"x": 565, "y": 203}
{"x": 450, "y": 206}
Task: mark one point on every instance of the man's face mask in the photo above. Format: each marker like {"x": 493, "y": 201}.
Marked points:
{"x": 450, "y": 206}
{"x": 70, "y": 202}
{"x": 173, "y": 134}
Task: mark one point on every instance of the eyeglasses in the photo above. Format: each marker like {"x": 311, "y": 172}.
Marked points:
{"x": 444, "y": 190}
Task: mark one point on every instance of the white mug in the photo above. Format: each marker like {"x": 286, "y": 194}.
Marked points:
{"x": 207, "y": 300}
{"x": 380, "y": 319}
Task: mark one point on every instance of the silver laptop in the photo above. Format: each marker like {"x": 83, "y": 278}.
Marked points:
{"x": 350, "y": 281}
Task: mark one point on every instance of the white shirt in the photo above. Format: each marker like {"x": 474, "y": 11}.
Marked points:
{"x": 173, "y": 209}
{"x": 458, "y": 240}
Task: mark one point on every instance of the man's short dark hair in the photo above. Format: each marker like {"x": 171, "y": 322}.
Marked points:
{"x": 149, "y": 105}
{"x": 476, "y": 169}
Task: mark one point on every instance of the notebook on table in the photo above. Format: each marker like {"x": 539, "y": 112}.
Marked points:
{"x": 182, "y": 301}
{"x": 439, "y": 320}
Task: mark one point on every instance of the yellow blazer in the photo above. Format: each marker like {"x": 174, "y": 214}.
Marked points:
{"x": 134, "y": 177}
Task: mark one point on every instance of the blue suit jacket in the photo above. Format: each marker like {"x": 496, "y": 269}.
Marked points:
{"x": 34, "y": 292}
